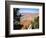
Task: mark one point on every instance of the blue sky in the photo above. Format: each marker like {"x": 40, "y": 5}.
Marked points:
{"x": 29, "y": 10}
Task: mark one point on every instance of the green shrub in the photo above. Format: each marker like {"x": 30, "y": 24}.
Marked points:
{"x": 35, "y": 23}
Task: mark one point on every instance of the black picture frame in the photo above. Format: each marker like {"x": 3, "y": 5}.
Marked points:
{"x": 7, "y": 21}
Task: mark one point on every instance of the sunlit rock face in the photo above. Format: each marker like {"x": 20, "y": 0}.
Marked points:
{"x": 26, "y": 19}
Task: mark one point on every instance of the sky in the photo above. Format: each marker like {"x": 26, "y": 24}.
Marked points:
{"x": 29, "y": 10}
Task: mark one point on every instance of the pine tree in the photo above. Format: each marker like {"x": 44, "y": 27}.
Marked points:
{"x": 17, "y": 19}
